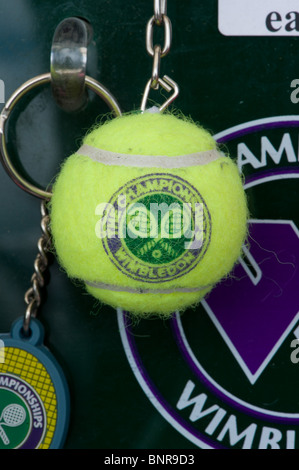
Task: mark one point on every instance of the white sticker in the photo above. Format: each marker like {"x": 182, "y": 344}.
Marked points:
{"x": 258, "y": 17}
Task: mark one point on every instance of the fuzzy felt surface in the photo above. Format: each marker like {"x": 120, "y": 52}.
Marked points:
{"x": 83, "y": 184}
{"x": 151, "y": 134}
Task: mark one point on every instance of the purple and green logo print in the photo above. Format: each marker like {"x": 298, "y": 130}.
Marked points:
{"x": 23, "y": 417}
{"x": 225, "y": 375}
{"x": 156, "y": 228}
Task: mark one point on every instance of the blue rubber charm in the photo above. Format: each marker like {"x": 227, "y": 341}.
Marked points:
{"x": 34, "y": 396}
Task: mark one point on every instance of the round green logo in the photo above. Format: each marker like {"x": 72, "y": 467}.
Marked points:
{"x": 156, "y": 228}
{"x": 15, "y": 420}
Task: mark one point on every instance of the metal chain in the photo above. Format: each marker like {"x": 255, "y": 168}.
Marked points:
{"x": 158, "y": 52}
{"x": 160, "y": 9}
{"x": 33, "y": 296}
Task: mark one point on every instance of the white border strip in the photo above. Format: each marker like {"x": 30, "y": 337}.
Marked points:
{"x": 256, "y": 123}
{"x": 225, "y": 392}
{"x": 144, "y": 386}
{"x": 148, "y": 161}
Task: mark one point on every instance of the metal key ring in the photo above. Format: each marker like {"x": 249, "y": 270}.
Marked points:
{"x": 92, "y": 84}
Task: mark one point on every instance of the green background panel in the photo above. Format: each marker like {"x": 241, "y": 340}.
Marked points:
{"x": 223, "y": 81}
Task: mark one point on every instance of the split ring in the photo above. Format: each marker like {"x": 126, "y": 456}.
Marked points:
{"x": 92, "y": 84}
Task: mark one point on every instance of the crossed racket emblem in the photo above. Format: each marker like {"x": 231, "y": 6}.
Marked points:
{"x": 170, "y": 227}
{"x": 171, "y": 223}
{"x": 175, "y": 224}
{"x": 12, "y": 415}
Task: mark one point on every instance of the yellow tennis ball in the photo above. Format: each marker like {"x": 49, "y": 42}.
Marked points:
{"x": 148, "y": 213}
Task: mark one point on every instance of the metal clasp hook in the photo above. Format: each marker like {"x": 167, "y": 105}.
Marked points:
{"x": 167, "y": 84}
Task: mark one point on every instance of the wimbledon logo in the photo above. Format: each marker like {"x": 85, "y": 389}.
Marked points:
{"x": 23, "y": 416}
{"x": 155, "y": 228}
{"x": 229, "y": 380}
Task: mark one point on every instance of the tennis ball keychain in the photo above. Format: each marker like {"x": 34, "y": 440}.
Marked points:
{"x": 148, "y": 213}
